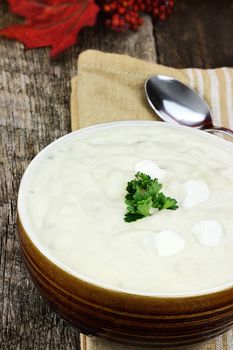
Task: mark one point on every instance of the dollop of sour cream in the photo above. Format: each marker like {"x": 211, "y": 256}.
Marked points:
{"x": 208, "y": 232}
{"x": 169, "y": 243}
{"x": 148, "y": 167}
{"x": 166, "y": 243}
{"x": 195, "y": 192}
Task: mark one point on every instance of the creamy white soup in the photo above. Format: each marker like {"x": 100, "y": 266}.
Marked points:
{"x": 75, "y": 207}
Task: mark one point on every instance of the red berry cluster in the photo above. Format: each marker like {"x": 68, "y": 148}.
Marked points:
{"x": 121, "y": 15}
{"x": 160, "y": 9}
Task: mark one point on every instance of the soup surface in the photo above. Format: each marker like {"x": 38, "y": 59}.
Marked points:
{"x": 75, "y": 207}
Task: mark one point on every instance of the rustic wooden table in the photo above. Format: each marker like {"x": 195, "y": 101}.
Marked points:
{"x": 35, "y": 110}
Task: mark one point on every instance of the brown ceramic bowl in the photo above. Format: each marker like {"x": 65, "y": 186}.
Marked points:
{"x": 128, "y": 318}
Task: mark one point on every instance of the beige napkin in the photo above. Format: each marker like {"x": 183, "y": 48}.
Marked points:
{"x": 110, "y": 87}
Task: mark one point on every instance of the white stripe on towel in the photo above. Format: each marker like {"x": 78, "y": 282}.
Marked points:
{"x": 190, "y": 76}
{"x": 215, "y": 101}
{"x": 229, "y": 340}
{"x": 200, "y": 82}
{"x": 229, "y": 100}
{"x": 219, "y": 343}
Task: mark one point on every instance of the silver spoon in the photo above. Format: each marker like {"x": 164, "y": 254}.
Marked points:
{"x": 175, "y": 102}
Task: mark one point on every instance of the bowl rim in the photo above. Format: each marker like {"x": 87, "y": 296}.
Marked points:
{"x": 21, "y": 212}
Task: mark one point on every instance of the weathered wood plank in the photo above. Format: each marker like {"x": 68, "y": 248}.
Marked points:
{"x": 34, "y": 110}
{"x": 198, "y": 34}
{"x": 140, "y": 44}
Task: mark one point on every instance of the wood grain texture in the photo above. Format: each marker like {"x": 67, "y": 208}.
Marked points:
{"x": 199, "y": 34}
{"x": 34, "y": 110}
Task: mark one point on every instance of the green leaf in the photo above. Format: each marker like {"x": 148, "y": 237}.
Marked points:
{"x": 144, "y": 206}
{"x": 129, "y": 217}
{"x": 163, "y": 202}
{"x": 143, "y": 193}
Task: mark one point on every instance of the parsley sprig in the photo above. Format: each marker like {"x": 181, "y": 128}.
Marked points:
{"x": 143, "y": 193}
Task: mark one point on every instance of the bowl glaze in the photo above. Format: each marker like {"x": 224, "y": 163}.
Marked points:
{"x": 122, "y": 317}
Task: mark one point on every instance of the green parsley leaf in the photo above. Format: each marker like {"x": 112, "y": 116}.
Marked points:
{"x": 143, "y": 193}
{"x": 129, "y": 217}
{"x": 163, "y": 202}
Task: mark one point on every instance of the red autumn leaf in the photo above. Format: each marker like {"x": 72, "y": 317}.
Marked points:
{"x": 54, "y": 23}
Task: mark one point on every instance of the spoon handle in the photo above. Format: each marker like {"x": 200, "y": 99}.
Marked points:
{"x": 215, "y": 129}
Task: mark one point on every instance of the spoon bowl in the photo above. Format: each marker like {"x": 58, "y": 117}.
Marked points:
{"x": 175, "y": 102}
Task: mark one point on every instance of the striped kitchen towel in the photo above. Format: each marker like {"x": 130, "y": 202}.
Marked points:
{"x": 110, "y": 87}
